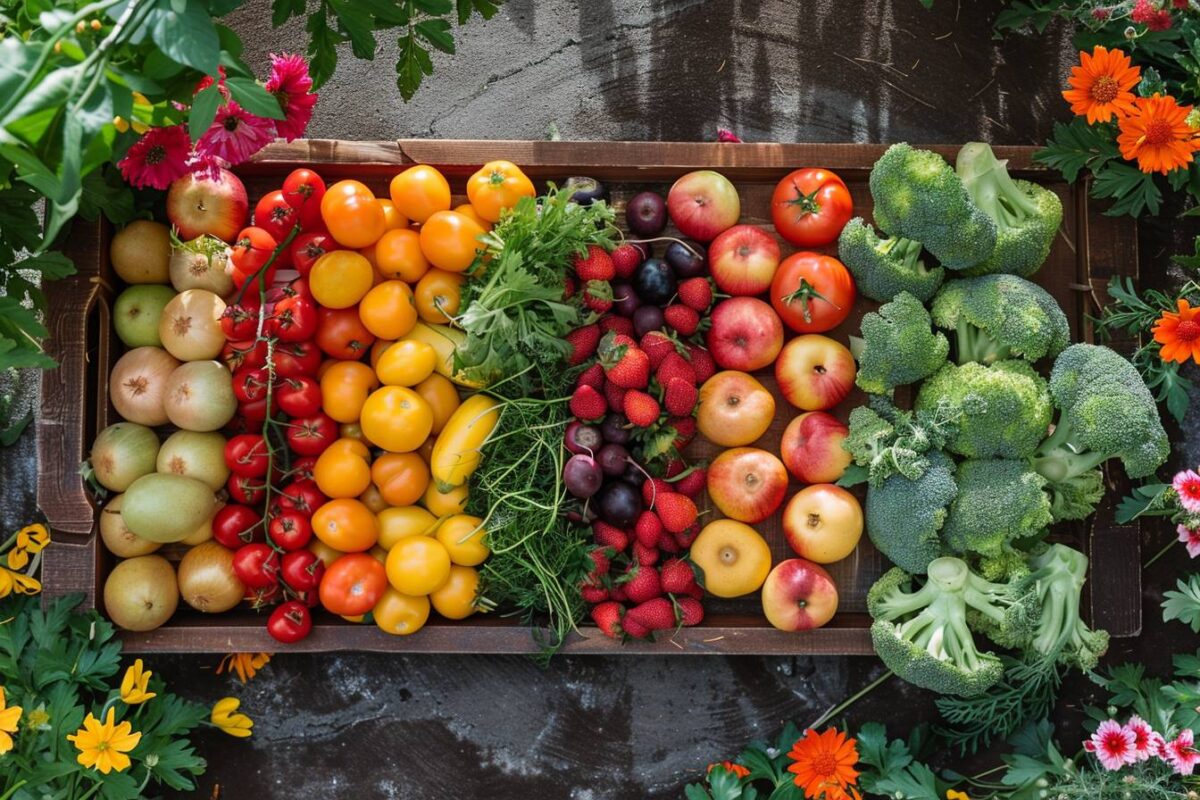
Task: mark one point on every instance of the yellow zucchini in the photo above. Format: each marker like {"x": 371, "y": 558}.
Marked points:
{"x": 443, "y": 339}
{"x": 457, "y": 451}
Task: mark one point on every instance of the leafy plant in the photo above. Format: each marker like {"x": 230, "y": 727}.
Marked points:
{"x": 766, "y": 777}
{"x": 1183, "y": 603}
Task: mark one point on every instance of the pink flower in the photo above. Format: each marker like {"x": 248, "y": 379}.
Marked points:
{"x": 1148, "y": 14}
{"x": 292, "y": 86}
{"x": 1158, "y": 743}
{"x": 1187, "y": 485}
{"x": 235, "y": 134}
{"x": 207, "y": 81}
{"x": 1180, "y": 753}
{"x": 1101, "y": 14}
{"x": 1112, "y": 744}
{"x": 1191, "y": 538}
{"x": 157, "y": 158}
{"x": 726, "y": 135}
{"x": 1144, "y": 744}
{"x": 1180, "y": 3}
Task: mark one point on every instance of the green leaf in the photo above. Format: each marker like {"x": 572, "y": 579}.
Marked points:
{"x": 1132, "y": 190}
{"x": 175, "y": 758}
{"x": 437, "y": 7}
{"x": 485, "y": 9}
{"x": 437, "y": 33}
{"x": 356, "y": 23}
{"x": 105, "y": 192}
{"x": 51, "y": 265}
{"x": 412, "y": 66}
{"x": 204, "y": 111}
{"x": 283, "y": 10}
{"x": 1151, "y": 83}
{"x": 184, "y": 31}
{"x": 254, "y": 98}
{"x": 1144, "y": 499}
{"x": 322, "y": 49}
{"x": 1184, "y": 605}
{"x": 51, "y": 91}
{"x": 219, "y": 8}
{"x": 1076, "y": 145}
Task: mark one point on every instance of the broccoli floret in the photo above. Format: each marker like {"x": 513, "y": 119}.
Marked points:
{"x": 999, "y": 504}
{"x": 882, "y": 268}
{"x": 899, "y": 346}
{"x": 1027, "y": 215}
{"x": 1000, "y": 316}
{"x": 1057, "y": 579}
{"x": 1005, "y": 407}
{"x": 918, "y": 196}
{"x": 1105, "y": 411}
{"x": 923, "y": 635}
{"x": 905, "y": 515}
{"x": 897, "y": 443}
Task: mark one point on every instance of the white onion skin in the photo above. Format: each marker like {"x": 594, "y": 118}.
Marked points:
{"x": 122, "y": 453}
{"x": 190, "y": 328}
{"x": 192, "y": 270}
{"x": 199, "y": 396}
{"x": 137, "y": 382}
{"x": 207, "y": 581}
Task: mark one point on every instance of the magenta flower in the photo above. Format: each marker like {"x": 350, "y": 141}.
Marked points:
{"x": 1112, "y": 744}
{"x": 726, "y": 135}
{"x": 157, "y": 158}
{"x": 1180, "y": 753}
{"x": 235, "y": 134}
{"x": 290, "y": 83}
{"x": 1146, "y": 13}
{"x": 1145, "y": 746}
{"x": 1191, "y": 539}
{"x": 1187, "y": 485}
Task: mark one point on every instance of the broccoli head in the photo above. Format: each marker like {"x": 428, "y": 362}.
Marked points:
{"x": 1000, "y": 316}
{"x": 882, "y": 268}
{"x": 1005, "y": 407}
{"x": 1057, "y": 578}
{"x": 918, "y": 196}
{"x": 896, "y": 441}
{"x": 923, "y": 635}
{"x": 905, "y": 515}
{"x": 999, "y": 503}
{"x": 1105, "y": 411}
{"x": 1027, "y": 215}
{"x": 899, "y": 346}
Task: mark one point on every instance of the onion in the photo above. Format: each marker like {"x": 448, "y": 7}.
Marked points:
{"x": 200, "y": 264}
{"x": 117, "y": 537}
{"x": 205, "y": 532}
{"x": 199, "y": 396}
{"x": 190, "y": 327}
{"x": 122, "y": 453}
{"x": 195, "y": 455}
{"x": 207, "y": 581}
{"x": 136, "y": 384}
{"x": 141, "y": 593}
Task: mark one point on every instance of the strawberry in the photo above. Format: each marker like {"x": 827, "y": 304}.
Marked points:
{"x": 682, "y": 319}
{"x": 688, "y": 537}
{"x": 646, "y": 556}
{"x": 652, "y": 489}
{"x": 597, "y": 295}
{"x": 627, "y": 366}
{"x": 641, "y": 409}
{"x": 667, "y": 543}
{"x": 656, "y": 614}
{"x": 596, "y": 266}
{"x": 600, "y": 565}
{"x": 677, "y": 511}
{"x": 702, "y": 362}
{"x": 615, "y": 396}
{"x": 696, "y": 293}
{"x": 593, "y": 376}
{"x": 609, "y": 536}
{"x": 643, "y": 585}
{"x": 621, "y": 325}
{"x": 697, "y": 592}
{"x": 625, "y": 260}
{"x": 680, "y": 397}
{"x": 676, "y": 576}
{"x": 675, "y": 366}
{"x": 692, "y": 483}
{"x": 648, "y": 529}
{"x": 685, "y": 431}
{"x": 587, "y": 404}
{"x": 674, "y": 466}
{"x": 570, "y": 287}
{"x": 593, "y": 594}
{"x": 583, "y": 343}
{"x": 657, "y": 346}
{"x": 634, "y": 628}
{"x": 607, "y": 617}
{"x": 617, "y": 592}
{"x": 690, "y": 611}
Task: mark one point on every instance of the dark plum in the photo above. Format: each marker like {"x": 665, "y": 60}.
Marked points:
{"x": 634, "y": 475}
{"x": 646, "y": 214}
{"x": 613, "y": 429}
{"x": 625, "y": 299}
{"x": 620, "y": 504}
{"x": 654, "y": 281}
{"x": 685, "y": 262}
{"x": 582, "y": 438}
{"x": 613, "y": 460}
{"x": 582, "y": 475}
{"x": 646, "y": 319}
{"x": 585, "y": 190}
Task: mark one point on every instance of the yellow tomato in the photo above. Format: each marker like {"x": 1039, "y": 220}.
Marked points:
{"x": 397, "y": 419}
{"x": 417, "y": 565}
{"x": 351, "y": 430}
{"x": 400, "y": 523}
{"x": 443, "y": 504}
{"x": 342, "y": 469}
{"x": 400, "y": 614}
{"x": 468, "y": 210}
{"x": 406, "y": 363}
{"x": 419, "y": 192}
{"x": 377, "y": 350}
{"x": 352, "y": 215}
{"x": 392, "y": 218}
{"x": 345, "y": 386}
{"x": 346, "y": 525}
{"x": 379, "y": 554}
{"x": 398, "y": 255}
{"x": 464, "y": 539}
{"x": 449, "y": 240}
{"x": 443, "y": 400}
{"x": 401, "y": 478}
{"x": 327, "y": 554}
{"x": 426, "y": 450}
{"x": 496, "y": 186}
{"x": 456, "y": 597}
{"x": 340, "y": 278}
{"x": 388, "y": 310}
{"x": 439, "y": 295}
{"x": 372, "y": 499}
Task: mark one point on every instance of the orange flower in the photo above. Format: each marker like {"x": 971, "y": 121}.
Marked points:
{"x": 824, "y": 765}
{"x": 1179, "y": 333}
{"x": 729, "y": 766}
{"x": 1157, "y": 135}
{"x": 1101, "y": 84}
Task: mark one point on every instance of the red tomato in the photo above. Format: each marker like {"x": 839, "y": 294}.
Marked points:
{"x": 247, "y": 491}
{"x": 256, "y": 411}
{"x": 251, "y": 250}
{"x": 290, "y": 530}
{"x": 294, "y": 319}
{"x": 246, "y": 455}
{"x": 299, "y": 396}
{"x": 308, "y": 247}
{"x": 244, "y": 355}
{"x": 239, "y": 321}
{"x": 235, "y": 525}
{"x": 302, "y": 570}
{"x": 301, "y": 495}
{"x": 303, "y": 190}
{"x": 302, "y": 468}
{"x": 353, "y": 584}
{"x": 290, "y": 622}
{"x": 309, "y": 436}
{"x": 810, "y": 207}
{"x": 342, "y": 335}
{"x": 293, "y": 359}
{"x": 264, "y": 598}
{"x": 275, "y": 216}
{"x": 256, "y": 565}
{"x": 250, "y": 385}
{"x": 812, "y": 293}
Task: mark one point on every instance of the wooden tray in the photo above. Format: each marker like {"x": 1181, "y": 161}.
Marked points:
{"x": 1091, "y": 249}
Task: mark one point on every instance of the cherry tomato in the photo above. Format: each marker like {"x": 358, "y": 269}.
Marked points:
{"x": 239, "y": 321}
{"x": 295, "y": 319}
{"x": 401, "y": 614}
{"x": 309, "y": 436}
{"x": 256, "y": 411}
{"x": 290, "y": 530}
{"x": 250, "y": 385}
{"x": 812, "y": 293}
{"x": 308, "y": 247}
{"x": 346, "y": 524}
{"x": 246, "y": 455}
{"x": 496, "y": 186}
{"x": 419, "y": 192}
{"x": 406, "y": 363}
{"x": 399, "y": 522}
{"x": 264, "y": 598}
{"x": 341, "y": 278}
{"x": 345, "y": 386}
{"x": 248, "y": 354}
{"x": 352, "y": 214}
{"x": 299, "y": 396}
{"x": 293, "y": 359}
{"x": 343, "y": 469}
{"x": 465, "y": 539}
{"x": 455, "y": 599}
{"x": 439, "y": 392}
{"x": 353, "y": 584}
{"x": 303, "y": 190}
{"x": 469, "y": 210}
{"x": 400, "y": 477}
{"x": 450, "y": 240}
{"x": 418, "y": 565}
{"x": 256, "y": 565}
{"x": 439, "y": 295}
{"x": 251, "y": 250}
{"x": 810, "y": 207}
{"x": 392, "y": 218}
{"x": 290, "y": 622}
{"x": 247, "y": 491}
{"x": 341, "y": 333}
{"x": 398, "y": 255}
{"x": 275, "y": 216}
{"x": 388, "y": 310}
{"x": 301, "y": 570}
{"x": 300, "y": 495}
{"x": 302, "y": 469}
{"x": 235, "y": 525}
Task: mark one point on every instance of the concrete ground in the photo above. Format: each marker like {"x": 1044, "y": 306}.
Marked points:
{"x": 379, "y": 726}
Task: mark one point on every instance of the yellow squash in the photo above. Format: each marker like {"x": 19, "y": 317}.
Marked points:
{"x": 457, "y": 452}
{"x": 443, "y": 339}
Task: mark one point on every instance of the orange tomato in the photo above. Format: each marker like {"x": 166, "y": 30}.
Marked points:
{"x": 401, "y": 614}
{"x": 449, "y": 240}
{"x": 392, "y": 218}
{"x": 439, "y": 295}
{"x": 346, "y": 524}
{"x": 389, "y": 310}
{"x": 398, "y": 255}
{"x": 468, "y": 210}
{"x": 352, "y": 215}
{"x": 419, "y": 192}
{"x": 343, "y": 469}
{"x": 398, "y": 523}
{"x": 400, "y": 477}
{"x": 340, "y": 278}
{"x": 455, "y": 599}
{"x": 396, "y": 419}
{"x": 406, "y": 363}
{"x": 442, "y": 397}
{"x": 372, "y": 499}
{"x": 426, "y": 450}
{"x": 464, "y": 539}
{"x": 444, "y": 504}
{"x": 496, "y": 186}
{"x": 417, "y": 565}
{"x": 353, "y": 584}
{"x": 345, "y": 387}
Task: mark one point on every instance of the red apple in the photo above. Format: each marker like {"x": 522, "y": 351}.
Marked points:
{"x": 735, "y": 409}
{"x": 814, "y": 372}
{"x": 798, "y": 595}
{"x": 702, "y": 204}
{"x": 197, "y": 206}
{"x": 746, "y": 334}
{"x": 823, "y": 523}
{"x": 812, "y": 447}
{"x": 747, "y": 483}
{"x": 743, "y": 260}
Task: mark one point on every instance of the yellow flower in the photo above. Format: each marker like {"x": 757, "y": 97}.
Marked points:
{"x": 6, "y": 582}
{"x": 952, "y": 794}
{"x": 33, "y": 538}
{"x": 24, "y": 584}
{"x": 244, "y": 665}
{"x": 38, "y": 719}
{"x": 103, "y": 746}
{"x": 9, "y": 717}
{"x": 133, "y": 685}
{"x": 223, "y": 717}
{"x": 18, "y": 558}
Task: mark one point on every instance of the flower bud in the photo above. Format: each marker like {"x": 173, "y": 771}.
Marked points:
{"x": 1193, "y": 119}
{"x": 151, "y": 760}
{"x": 1131, "y": 32}
{"x": 1112, "y": 711}
{"x": 95, "y": 24}
{"x": 80, "y": 27}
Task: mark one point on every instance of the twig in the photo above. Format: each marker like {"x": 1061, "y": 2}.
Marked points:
{"x": 854, "y": 698}
{"x": 981, "y": 90}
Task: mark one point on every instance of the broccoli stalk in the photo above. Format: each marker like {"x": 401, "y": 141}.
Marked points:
{"x": 1061, "y": 635}
{"x": 882, "y": 268}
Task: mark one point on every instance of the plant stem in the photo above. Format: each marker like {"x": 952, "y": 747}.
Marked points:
{"x": 854, "y": 698}
{"x": 1158, "y": 555}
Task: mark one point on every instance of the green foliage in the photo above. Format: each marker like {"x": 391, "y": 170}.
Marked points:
{"x": 768, "y": 776}
{"x": 882, "y": 268}
{"x": 1183, "y": 603}
{"x": 890, "y": 768}
{"x": 899, "y": 346}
